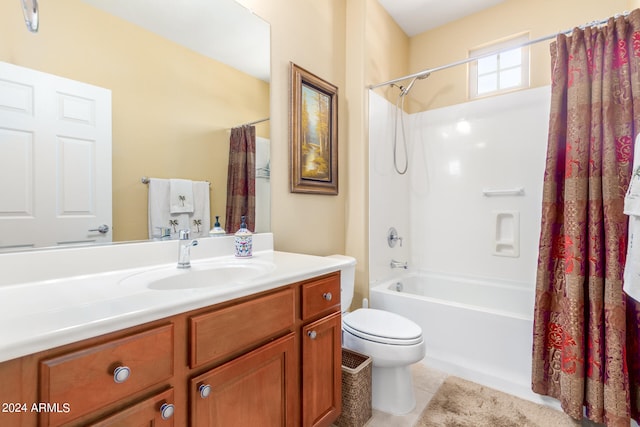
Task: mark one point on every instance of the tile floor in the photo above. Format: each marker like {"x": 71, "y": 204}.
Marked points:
{"x": 426, "y": 382}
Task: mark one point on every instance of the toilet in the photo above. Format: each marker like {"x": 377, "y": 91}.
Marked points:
{"x": 393, "y": 342}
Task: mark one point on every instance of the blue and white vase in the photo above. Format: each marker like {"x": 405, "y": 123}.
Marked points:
{"x": 243, "y": 241}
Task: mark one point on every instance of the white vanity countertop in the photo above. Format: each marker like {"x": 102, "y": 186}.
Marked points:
{"x": 44, "y": 314}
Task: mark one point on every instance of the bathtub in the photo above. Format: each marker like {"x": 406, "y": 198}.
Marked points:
{"x": 480, "y": 330}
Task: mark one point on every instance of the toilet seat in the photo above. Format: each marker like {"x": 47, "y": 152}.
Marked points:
{"x": 382, "y": 327}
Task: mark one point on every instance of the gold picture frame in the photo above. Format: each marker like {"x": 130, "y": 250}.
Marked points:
{"x": 313, "y": 134}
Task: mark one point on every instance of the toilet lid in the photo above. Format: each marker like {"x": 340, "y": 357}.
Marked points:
{"x": 382, "y": 326}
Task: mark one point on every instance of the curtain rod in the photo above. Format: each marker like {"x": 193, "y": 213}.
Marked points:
{"x": 475, "y": 58}
{"x": 255, "y": 122}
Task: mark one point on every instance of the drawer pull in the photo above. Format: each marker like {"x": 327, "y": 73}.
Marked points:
{"x": 205, "y": 390}
{"x": 166, "y": 411}
{"x": 312, "y": 334}
{"x": 327, "y": 296}
{"x": 121, "y": 374}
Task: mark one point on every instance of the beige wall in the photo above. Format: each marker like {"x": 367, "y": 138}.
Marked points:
{"x": 387, "y": 48}
{"x": 452, "y": 42}
{"x": 310, "y": 34}
{"x": 351, "y": 44}
{"x": 172, "y": 108}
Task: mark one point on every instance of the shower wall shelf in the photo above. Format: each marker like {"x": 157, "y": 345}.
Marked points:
{"x": 490, "y": 192}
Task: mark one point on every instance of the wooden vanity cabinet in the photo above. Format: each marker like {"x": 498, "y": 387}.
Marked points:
{"x": 289, "y": 382}
{"x": 321, "y": 353}
{"x": 256, "y": 389}
{"x": 270, "y": 359}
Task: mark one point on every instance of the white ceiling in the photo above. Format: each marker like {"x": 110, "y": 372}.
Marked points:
{"x": 418, "y": 16}
{"x": 221, "y": 29}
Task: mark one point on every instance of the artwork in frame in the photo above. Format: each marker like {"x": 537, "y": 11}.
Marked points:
{"x": 313, "y": 134}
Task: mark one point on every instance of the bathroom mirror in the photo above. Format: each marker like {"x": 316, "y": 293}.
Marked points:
{"x": 181, "y": 75}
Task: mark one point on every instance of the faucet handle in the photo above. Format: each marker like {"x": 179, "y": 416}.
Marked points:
{"x": 184, "y": 234}
{"x": 392, "y": 237}
{"x": 163, "y": 232}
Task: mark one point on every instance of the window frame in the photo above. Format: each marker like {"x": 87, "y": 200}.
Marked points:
{"x": 500, "y": 47}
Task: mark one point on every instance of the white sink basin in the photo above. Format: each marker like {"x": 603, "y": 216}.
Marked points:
{"x": 202, "y": 274}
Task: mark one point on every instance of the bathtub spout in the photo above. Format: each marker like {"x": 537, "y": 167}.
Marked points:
{"x": 399, "y": 264}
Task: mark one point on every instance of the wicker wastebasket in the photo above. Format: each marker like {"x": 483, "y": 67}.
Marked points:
{"x": 356, "y": 389}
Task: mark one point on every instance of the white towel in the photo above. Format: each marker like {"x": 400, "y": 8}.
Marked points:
{"x": 159, "y": 215}
{"x": 200, "y": 219}
{"x": 632, "y": 198}
{"x": 181, "y": 196}
{"x": 632, "y": 208}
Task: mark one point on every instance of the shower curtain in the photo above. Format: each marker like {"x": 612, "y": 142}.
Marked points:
{"x": 586, "y": 330}
{"x": 241, "y": 178}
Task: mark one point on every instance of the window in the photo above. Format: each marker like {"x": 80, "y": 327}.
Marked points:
{"x": 501, "y": 72}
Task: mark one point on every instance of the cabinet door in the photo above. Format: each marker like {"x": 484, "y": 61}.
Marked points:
{"x": 156, "y": 411}
{"x": 256, "y": 389}
{"x": 321, "y": 371}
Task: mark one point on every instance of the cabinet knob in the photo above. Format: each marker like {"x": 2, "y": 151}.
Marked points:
{"x": 121, "y": 374}
{"x": 312, "y": 334}
{"x": 167, "y": 410}
{"x": 327, "y": 296}
{"x": 205, "y": 390}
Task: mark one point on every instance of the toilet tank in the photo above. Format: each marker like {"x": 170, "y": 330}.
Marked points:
{"x": 347, "y": 279}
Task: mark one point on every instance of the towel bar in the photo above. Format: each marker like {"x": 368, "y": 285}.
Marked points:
{"x": 519, "y": 191}
{"x": 145, "y": 180}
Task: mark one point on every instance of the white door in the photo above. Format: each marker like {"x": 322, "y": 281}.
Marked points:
{"x": 55, "y": 160}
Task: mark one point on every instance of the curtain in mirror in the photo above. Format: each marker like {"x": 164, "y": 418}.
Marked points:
{"x": 241, "y": 181}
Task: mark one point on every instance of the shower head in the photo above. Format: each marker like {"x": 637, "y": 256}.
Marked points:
{"x": 405, "y": 90}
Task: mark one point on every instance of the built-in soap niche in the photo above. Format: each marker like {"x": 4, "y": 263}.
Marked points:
{"x": 506, "y": 233}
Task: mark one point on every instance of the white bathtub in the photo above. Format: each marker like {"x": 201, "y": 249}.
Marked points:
{"x": 480, "y": 330}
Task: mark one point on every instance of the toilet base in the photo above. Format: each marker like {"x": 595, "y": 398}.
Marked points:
{"x": 392, "y": 390}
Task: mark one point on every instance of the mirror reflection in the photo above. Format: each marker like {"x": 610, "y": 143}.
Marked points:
{"x": 173, "y": 104}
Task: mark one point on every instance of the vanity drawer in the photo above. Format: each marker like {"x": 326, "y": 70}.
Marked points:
{"x": 157, "y": 410}
{"x": 228, "y": 331}
{"x": 320, "y": 295}
{"x": 89, "y": 379}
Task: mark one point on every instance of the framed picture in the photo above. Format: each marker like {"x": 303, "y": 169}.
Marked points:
{"x": 313, "y": 134}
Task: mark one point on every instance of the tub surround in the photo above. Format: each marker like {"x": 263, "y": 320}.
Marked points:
{"x": 465, "y": 322}
{"x": 51, "y": 298}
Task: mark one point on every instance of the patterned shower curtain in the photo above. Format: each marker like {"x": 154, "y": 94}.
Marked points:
{"x": 241, "y": 178}
{"x": 586, "y": 330}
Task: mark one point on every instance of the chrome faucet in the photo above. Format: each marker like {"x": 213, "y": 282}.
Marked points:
{"x": 393, "y": 238}
{"x": 184, "y": 250}
{"x": 399, "y": 264}
{"x": 163, "y": 233}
